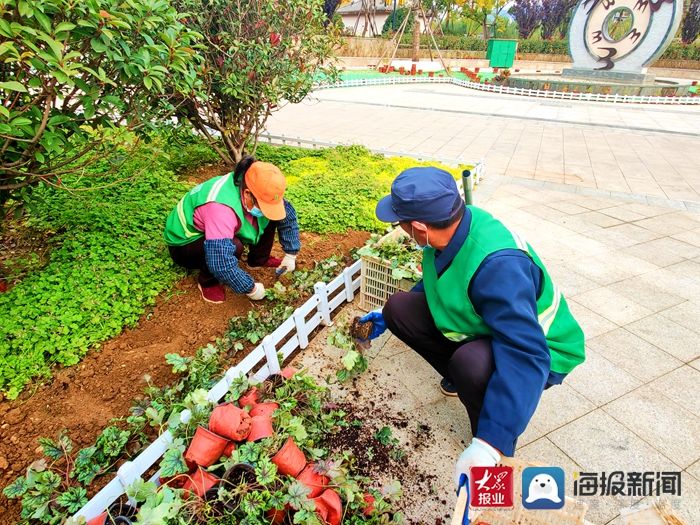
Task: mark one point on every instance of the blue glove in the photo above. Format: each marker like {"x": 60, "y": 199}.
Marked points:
{"x": 378, "y": 323}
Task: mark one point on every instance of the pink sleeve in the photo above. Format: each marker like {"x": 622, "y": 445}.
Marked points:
{"x": 217, "y": 221}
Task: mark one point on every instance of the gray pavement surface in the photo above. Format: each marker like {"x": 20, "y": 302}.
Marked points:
{"x": 637, "y": 149}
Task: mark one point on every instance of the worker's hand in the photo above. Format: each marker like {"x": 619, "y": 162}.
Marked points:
{"x": 478, "y": 454}
{"x": 378, "y": 323}
{"x": 257, "y": 293}
{"x": 288, "y": 264}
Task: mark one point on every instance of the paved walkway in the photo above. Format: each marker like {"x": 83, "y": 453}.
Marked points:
{"x": 631, "y": 275}
{"x": 638, "y": 149}
{"x": 628, "y": 264}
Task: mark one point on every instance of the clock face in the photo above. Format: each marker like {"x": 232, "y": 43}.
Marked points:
{"x": 614, "y": 30}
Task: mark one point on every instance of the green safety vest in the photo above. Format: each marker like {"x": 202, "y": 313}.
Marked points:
{"x": 454, "y": 313}
{"x": 179, "y": 227}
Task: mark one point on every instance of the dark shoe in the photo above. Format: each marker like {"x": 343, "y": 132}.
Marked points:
{"x": 213, "y": 294}
{"x": 272, "y": 262}
{"x": 447, "y": 388}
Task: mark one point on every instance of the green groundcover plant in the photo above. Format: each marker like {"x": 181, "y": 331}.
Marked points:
{"x": 338, "y": 188}
{"x": 106, "y": 264}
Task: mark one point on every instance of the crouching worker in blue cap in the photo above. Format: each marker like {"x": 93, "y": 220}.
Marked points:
{"x": 487, "y": 316}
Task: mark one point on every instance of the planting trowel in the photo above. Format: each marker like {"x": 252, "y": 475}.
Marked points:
{"x": 460, "y": 516}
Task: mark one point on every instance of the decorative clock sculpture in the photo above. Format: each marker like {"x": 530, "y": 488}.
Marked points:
{"x": 621, "y": 37}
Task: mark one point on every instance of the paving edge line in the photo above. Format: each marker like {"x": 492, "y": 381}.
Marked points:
{"x": 491, "y": 182}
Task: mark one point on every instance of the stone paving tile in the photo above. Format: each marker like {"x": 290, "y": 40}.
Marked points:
{"x": 654, "y": 252}
{"x": 669, "y": 224}
{"x": 447, "y": 417}
{"x": 634, "y": 355}
{"x": 623, "y": 213}
{"x": 675, "y": 339}
{"x": 690, "y": 237}
{"x": 559, "y": 405}
{"x": 415, "y": 374}
{"x": 670, "y": 428}
{"x": 682, "y": 386}
{"x": 687, "y": 268}
{"x": 613, "y": 306}
{"x": 694, "y": 470}
{"x": 686, "y": 314}
{"x": 686, "y": 506}
{"x": 654, "y": 297}
{"x": 600, "y": 219}
{"x": 599, "y": 380}
{"x": 677, "y": 283}
{"x": 591, "y": 323}
{"x": 599, "y": 443}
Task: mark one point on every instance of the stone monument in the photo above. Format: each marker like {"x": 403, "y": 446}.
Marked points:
{"x": 617, "y": 40}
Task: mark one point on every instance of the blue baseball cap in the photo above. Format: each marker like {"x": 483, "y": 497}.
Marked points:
{"x": 424, "y": 194}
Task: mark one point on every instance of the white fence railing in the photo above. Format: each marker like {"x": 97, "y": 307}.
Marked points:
{"x": 296, "y": 330}
{"x": 492, "y": 88}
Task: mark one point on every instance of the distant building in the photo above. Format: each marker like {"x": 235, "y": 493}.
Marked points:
{"x": 365, "y": 17}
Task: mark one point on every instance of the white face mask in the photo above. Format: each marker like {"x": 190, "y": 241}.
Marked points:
{"x": 417, "y": 244}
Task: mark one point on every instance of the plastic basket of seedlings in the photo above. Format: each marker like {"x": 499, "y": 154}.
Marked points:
{"x": 388, "y": 264}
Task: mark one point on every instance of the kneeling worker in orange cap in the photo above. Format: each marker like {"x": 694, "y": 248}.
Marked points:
{"x": 215, "y": 221}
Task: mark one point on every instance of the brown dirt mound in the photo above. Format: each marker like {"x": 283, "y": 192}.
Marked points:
{"x": 83, "y": 399}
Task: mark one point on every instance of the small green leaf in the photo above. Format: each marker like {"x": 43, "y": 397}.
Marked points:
{"x": 16, "y": 489}
{"x": 13, "y": 85}
{"x": 350, "y": 359}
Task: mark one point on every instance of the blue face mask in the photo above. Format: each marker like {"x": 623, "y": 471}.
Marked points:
{"x": 256, "y": 212}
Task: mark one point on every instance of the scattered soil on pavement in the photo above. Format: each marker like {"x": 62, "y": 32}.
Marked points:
{"x": 83, "y": 398}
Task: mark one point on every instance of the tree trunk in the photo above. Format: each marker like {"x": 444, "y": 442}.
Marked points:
{"x": 485, "y": 28}
{"x": 416, "y": 38}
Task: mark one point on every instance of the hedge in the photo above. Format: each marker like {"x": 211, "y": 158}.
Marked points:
{"x": 676, "y": 51}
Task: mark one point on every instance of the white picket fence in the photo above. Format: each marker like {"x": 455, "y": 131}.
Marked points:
{"x": 492, "y": 88}
{"x": 296, "y": 329}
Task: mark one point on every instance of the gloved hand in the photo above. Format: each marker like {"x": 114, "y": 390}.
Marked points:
{"x": 257, "y": 293}
{"x": 478, "y": 454}
{"x": 378, "y": 323}
{"x": 288, "y": 264}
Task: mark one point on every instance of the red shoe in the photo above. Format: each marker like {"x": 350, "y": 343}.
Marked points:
{"x": 213, "y": 294}
{"x": 272, "y": 262}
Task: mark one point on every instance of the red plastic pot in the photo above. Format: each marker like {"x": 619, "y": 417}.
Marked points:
{"x": 261, "y": 428}
{"x": 477, "y": 69}
{"x": 276, "y": 516}
{"x": 431, "y": 74}
{"x": 98, "y": 520}
{"x": 176, "y": 482}
{"x": 200, "y": 482}
{"x": 288, "y": 372}
{"x": 229, "y": 449}
{"x": 329, "y": 507}
{"x": 369, "y": 504}
{"x": 206, "y": 447}
{"x": 312, "y": 479}
{"x": 230, "y": 421}
{"x": 264, "y": 409}
{"x": 290, "y": 459}
{"x": 249, "y": 398}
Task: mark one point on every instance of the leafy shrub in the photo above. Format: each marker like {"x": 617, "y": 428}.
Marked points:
{"x": 108, "y": 265}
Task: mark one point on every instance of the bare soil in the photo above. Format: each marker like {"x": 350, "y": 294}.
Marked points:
{"x": 83, "y": 398}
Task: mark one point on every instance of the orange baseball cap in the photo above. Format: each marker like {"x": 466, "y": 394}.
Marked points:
{"x": 267, "y": 184}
